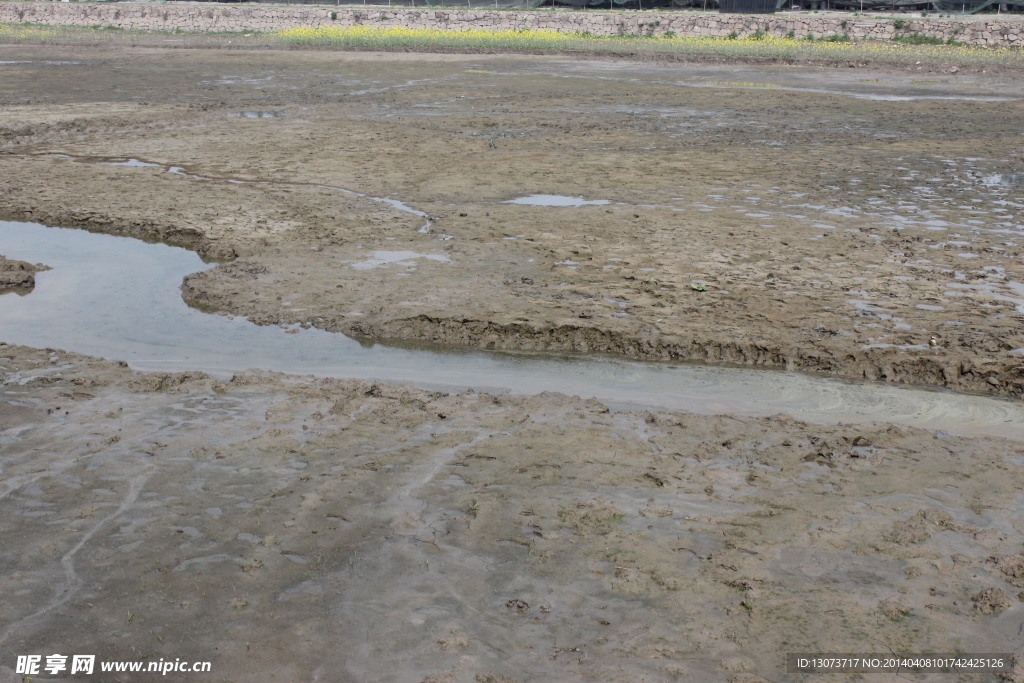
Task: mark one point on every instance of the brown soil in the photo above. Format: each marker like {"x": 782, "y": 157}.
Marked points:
{"x": 329, "y": 530}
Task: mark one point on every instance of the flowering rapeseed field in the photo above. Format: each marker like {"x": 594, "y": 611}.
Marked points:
{"x": 369, "y": 36}
{"x": 755, "y": 45}
{"x": 30, "y": 32}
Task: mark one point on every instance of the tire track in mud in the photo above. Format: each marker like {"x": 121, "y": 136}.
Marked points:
{"x": 70, "y": 581}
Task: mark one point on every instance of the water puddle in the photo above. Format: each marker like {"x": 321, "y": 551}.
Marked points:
{"x": 741, "y": 84}
{"x": 854, "y": 93}
{"x": 133, "y": 162}
{"x": 962, "y": 198}
{"x": 1013, "y": 179}
{"x": 402, "y": 258}
{"x": 407, "y": 84}
{"x": 257, "y": 114}
{"x": 46, "y": 62}
{"x": 556, "y": 200}
{"x": 120, "y": 298}
{"x": 989, "y": 289}
{"x": 911, "y": 98}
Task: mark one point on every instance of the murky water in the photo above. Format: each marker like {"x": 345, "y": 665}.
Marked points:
{"x": 119, "y": 298}
{"x": 252, "y": 114}
{"x": 405, "y": 258}
{"x": 556, "y": 200}
{"x": 135, "y": 163}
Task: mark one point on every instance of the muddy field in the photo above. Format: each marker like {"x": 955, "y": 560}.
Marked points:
{"x": 852, "y": 223}
{"x": 832, "y": 233}
{"x": 342, "y": 531}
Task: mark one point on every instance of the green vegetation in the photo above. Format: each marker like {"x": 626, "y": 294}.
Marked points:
{"x": 923, "y": 39}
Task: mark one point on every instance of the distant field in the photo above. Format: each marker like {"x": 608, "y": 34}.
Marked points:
{"x": 913, "y": 51}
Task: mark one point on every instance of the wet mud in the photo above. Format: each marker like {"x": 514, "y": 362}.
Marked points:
{"x": 18, "y": 276}
{"x": 350, "y": 531}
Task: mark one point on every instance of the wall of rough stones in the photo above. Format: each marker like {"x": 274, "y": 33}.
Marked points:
{"x": 187, "y": 16}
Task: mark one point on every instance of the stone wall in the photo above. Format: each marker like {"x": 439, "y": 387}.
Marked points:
{"x": 987, "y": 31}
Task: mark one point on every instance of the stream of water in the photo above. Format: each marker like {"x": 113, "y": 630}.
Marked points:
{"x": 119, "y": 298}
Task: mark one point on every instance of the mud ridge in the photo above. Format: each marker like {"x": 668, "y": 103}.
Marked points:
{"x": 72, "y": 129}
{"x": 145, "y": 230}
{"x": 873, "y": 366}
{"x": 965, "y": 374}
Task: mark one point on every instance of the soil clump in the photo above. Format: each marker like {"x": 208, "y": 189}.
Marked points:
{"x": 18, "y": 275}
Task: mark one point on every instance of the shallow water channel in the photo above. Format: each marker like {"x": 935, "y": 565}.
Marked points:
{"x": 119, "y": 298}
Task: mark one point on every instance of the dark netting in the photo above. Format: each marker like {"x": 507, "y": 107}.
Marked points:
{"x": 747, "y": 6}
{"x": 877, "y": 5}
{"x": 961, "y": 7}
